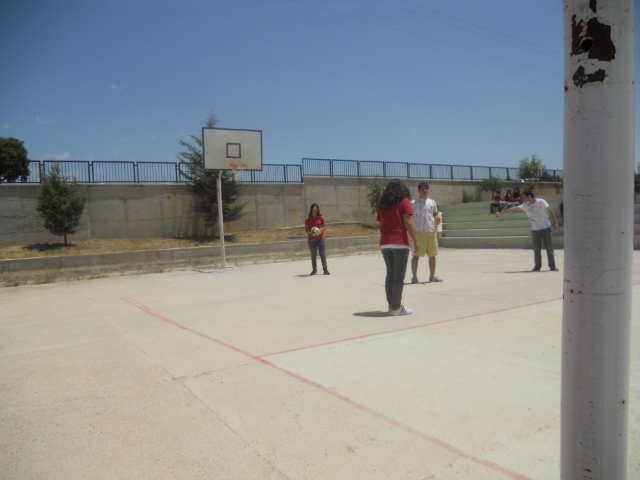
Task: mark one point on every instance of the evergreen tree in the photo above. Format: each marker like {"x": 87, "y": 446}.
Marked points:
{"x": 59, "y": 203}
{"x": 14, "y": 163}
{"x": 203, "y": 183}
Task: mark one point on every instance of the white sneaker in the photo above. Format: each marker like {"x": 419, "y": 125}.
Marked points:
{"x": 434, "y": 279}
{"x": 414, "y": 279}
{"x": 401, "y": 311}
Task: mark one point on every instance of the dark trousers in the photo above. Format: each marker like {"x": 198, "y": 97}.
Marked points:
{"x": 396, "y": 260}
{"x": 496, "y": 206}
{"x": 540, "y": 236}
{"x": 317, "y": 246}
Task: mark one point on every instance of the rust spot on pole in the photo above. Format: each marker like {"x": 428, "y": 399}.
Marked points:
{"x": 596, "y": 39}
{"x": 581, "y": 78}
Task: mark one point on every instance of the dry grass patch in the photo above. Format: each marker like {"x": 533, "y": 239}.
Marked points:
{"x": 112, "y": 245}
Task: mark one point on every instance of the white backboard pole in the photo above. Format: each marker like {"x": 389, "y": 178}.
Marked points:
{"x": 223, "y": 261}
{"x": 598, "y": 198}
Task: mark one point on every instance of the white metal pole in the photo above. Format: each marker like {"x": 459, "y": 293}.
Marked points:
{"x": 598, "y": 199}
{"x": 221, "y": 220}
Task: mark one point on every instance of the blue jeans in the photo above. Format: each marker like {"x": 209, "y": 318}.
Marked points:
{"x": 396, "y": 260}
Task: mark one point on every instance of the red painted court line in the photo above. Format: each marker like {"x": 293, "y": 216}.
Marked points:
{"x": 363, "y": 408}
{"x": 406, "y": 328}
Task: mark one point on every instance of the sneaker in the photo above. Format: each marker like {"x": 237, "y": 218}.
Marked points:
{"x": 414, "y": 279}
{"x": 326, "y": 272}
{"x": 554, "y": 269}
{"x": 535, "y": 269}
{"x": 433, "y": 278}
{"x": 401, "y": 311}
{"x": 313, "y": 273}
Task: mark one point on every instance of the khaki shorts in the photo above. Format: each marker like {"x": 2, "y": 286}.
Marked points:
{"x": 428, "y": 242}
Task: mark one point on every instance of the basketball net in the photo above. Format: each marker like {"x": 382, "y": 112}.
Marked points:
{"x": 237, "y": 169}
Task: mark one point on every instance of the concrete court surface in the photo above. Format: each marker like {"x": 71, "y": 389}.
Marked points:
{"x": 262, "y": 372}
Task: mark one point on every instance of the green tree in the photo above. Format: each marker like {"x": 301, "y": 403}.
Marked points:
{"x": 203, "y": 183}
{"x": 491, "y": 184}
{"x": 14, "y": 163}
{"x": 532, "y": 169}
{"x": 376, "y": 186}
{"x": 59, "y": 203}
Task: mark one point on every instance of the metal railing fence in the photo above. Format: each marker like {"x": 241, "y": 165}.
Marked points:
{"x": 102, "y": 171}
{"x": 324, "y": 167}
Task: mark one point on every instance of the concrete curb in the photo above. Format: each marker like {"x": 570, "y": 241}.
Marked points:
{"x": 81, "y": 267}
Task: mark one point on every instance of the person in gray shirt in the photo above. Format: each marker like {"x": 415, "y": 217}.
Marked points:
{"x": 537, "y": 209}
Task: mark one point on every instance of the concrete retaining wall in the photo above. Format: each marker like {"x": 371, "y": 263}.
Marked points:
{"x": 77, "y": 267}
{"x": 164, "y": 210}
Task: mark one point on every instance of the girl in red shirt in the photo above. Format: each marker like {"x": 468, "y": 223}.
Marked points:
{"x": 316, "y": 242}
{"x": 396, "y": 225}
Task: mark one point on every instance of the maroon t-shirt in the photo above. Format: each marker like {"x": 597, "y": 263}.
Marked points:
{"x": 310, "y": 222}
{"x": 392, "y": 229}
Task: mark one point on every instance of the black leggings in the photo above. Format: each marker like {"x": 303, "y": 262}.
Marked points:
{"x": 317, "y": 246}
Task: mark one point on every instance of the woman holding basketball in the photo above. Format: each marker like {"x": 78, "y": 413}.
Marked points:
{"x": 314, "y": 226}
{"x": 396, "y": 225}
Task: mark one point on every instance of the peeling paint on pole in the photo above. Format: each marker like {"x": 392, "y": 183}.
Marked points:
{"x": 598, "y": 160}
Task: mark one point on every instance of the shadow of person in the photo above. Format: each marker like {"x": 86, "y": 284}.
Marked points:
{"x": 307, "y": 275}
{"x": 522, "y": 271}
{"x": 372, "y": 314}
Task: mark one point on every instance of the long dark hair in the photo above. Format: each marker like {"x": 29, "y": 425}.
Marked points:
{"x": 311, "y": 210}
{"x": 393, "y": 193}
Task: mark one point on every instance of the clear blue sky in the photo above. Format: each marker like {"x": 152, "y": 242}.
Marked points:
{"x": 469, "y": 82}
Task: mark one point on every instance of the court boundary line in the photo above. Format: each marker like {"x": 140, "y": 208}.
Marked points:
{"x": 381, "y": 416}
{"x": 404, "y": 329}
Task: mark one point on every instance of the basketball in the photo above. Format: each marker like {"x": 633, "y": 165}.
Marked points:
{"x": 315, "y": 231}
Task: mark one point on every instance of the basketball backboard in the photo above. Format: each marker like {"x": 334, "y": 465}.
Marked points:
{"x": 224, "y": 146}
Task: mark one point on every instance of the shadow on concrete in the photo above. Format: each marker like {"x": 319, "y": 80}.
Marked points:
{"x": 371, "y": 314}
{"x": 308, "y": 275}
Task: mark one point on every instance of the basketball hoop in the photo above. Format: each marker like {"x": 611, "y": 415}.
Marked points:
{"x": 238, "y": 170}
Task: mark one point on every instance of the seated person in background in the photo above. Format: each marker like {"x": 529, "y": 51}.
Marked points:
{"x": 517, "y": 196}
{"x": 508, "y": 197}
{"x": 497, "y": 198}
{"x": 508, "y": 201}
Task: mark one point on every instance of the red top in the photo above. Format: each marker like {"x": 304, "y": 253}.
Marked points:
{"x": 310, "y": 222}
{"x": 497, "y": 197}
{"x": 392, "y": 229}
{"x": 508, "y": 197}
{"x": 517, "y": 197}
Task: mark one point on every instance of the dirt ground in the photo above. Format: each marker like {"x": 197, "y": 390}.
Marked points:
{"x": 112, "y": 245}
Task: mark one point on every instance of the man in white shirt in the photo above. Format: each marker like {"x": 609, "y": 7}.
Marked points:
{"x": 425, "y": 218}
{"x": 537, "y": 210}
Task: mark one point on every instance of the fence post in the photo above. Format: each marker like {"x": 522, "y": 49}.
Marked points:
{"x": 177, "y": 173}
{"x": 490, "y": 173}
{"x": 331, "y": 168}
{"x": 41, "y": 169}
{"x": 252, "y": 177}
{"x": 285, "y": 175}
{"x": 451, "y": 172}
{"x": 408, "y": 172}
{"x": 430, "y": 171}
{"x": 384, "y": 169}
{"x": 471, "y": 172}
{"x": 358, "y": 168}
{"x": 136, "y": 175}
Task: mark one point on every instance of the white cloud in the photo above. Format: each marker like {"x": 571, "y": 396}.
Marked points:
{"x": 40, "y": 120}
{"x": 57, "y": 156}
{"x": 113, "y": 86}
{"x": 153, "y": 137}
{"x": 6, "y": 126}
